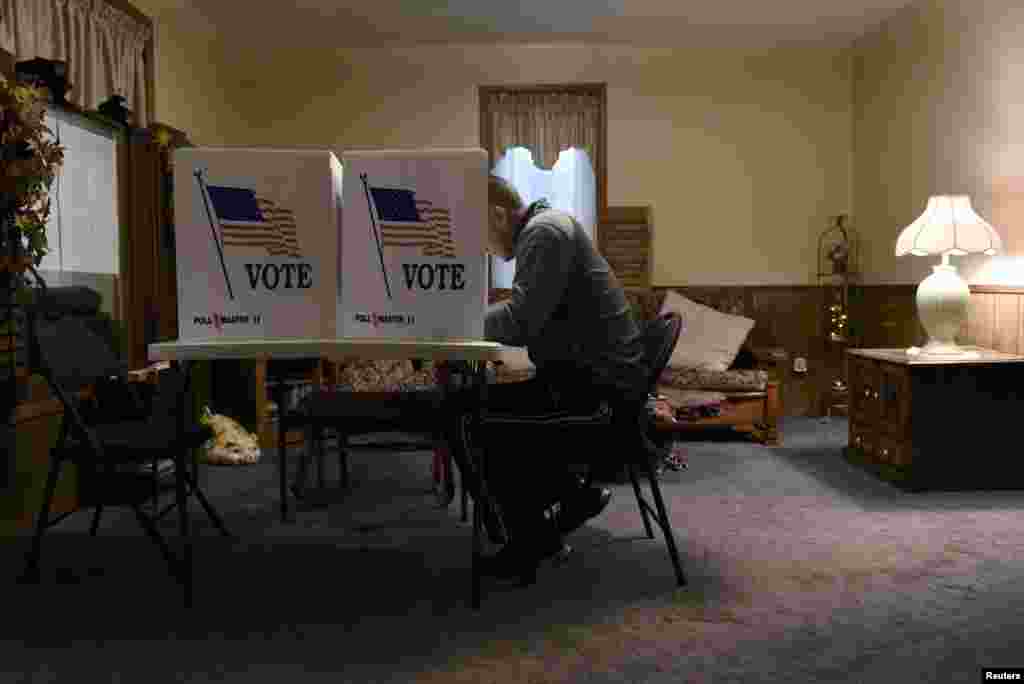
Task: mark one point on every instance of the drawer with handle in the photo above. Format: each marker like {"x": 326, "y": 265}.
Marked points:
{"x": 863, "y": 440}
{"x": 865, "y": 394}
{"x": 892, "y": 452}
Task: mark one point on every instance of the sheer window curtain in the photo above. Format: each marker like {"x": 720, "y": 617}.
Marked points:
{"x": 105, "y": 47}
{"x": 570, "y": 186}
{"x": 546, "y": 144}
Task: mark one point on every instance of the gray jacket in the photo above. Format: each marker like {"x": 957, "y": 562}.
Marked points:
{"x": 567, "y": 305}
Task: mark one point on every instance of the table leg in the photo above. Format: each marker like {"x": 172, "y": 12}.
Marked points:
{"x": 477, "y": 458}
{"x": 444, "y": 484}
{"x": 282, "y": 455}
{"x": 180, "y": 476}
{"x": 319, "y": 437}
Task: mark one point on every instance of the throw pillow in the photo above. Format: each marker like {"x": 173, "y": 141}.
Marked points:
{"x": 709, "y": 338}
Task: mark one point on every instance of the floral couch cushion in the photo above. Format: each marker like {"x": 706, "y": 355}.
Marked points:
{"x": 678, "y": 378}
{"x": 715, "y": 381}
{"x": 400, "y": 376}
{"x": 386, "y": 376}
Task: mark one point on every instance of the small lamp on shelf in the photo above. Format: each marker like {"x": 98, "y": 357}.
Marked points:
{"x": 948, "y": 227}
{"x": 836, "y": 249}
{"x": 836, "y": 269}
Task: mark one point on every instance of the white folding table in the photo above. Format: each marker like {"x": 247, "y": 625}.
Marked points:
{"x": 474, "y": 353}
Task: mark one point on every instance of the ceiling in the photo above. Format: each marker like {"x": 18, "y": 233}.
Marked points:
{"x": 651, "y": 23}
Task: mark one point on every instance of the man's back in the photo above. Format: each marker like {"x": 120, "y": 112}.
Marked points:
{"x": 568, "y": 306}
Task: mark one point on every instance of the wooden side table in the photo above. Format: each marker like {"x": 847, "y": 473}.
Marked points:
{"x": 937, "y": 423}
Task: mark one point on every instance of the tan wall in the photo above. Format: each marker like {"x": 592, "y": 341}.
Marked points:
{"x": 191, "y": 91}
{"x": 937, "y": 109}
{"x": 743, "y": 156}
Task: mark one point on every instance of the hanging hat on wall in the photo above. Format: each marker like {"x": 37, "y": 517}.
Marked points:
{"x": 49, "y": 73}
{"x": 114, "y": 108}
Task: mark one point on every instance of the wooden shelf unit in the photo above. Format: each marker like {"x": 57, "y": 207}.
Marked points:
{"x": 925, "y": 423}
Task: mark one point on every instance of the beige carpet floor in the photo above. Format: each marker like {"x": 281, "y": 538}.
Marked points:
{"x": 802, "y": 569}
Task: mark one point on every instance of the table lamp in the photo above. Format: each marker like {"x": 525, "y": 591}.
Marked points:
{"x": 949, "y": 226}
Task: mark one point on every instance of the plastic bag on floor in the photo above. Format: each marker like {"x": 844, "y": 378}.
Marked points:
{"x": 232, "y": 444}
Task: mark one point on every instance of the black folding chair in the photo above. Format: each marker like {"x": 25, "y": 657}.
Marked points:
{"x": 621, "y": 428}
{"x": 127, "y": 453}
{"x": 349, "y": 413}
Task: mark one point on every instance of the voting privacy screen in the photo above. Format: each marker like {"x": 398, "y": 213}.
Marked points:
{"x": 273, "y": 244}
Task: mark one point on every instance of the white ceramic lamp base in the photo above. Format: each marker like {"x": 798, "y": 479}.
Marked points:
{"x": 942, "y": 300}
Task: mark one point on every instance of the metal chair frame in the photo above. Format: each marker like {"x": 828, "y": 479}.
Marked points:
{"x": 81, "y": 441}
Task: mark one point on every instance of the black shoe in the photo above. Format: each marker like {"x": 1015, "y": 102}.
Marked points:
{"x": 510, "y": 563}
{"x": 492, "y": 524}
{"x": 581, "y": 506}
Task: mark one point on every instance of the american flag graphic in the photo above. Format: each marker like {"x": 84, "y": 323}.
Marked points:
{"x": 441, "y": 221}
{"x": 249, "y": 220}
{"x": 405, "y": 221}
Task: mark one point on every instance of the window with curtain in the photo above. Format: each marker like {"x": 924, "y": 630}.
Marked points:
{"x": 570, "y": 185}
{"x": 548, "y": 141}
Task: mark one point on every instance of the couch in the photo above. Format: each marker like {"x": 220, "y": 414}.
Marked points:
{"x": 733, "y": 390}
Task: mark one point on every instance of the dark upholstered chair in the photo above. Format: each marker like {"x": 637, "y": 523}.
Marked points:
{"x": 348, "y": 413}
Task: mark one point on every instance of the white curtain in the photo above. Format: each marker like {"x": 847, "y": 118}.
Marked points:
{"x": 545, "y": 122}
{"x": 103, "y": 46}
{"x": 570, "y": 185}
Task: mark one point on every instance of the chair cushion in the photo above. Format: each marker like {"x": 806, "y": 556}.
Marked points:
{"x": 601, "y": 416}
{"x": 348, "y": 404}
{"x": 596, "y": 439}
{"x": 691, "y": 378}
{"x": 138, "y": 440}
{"x": 126, "y": 486}
{"x": 693, "y": 399}
{"x": 362, "y": 412}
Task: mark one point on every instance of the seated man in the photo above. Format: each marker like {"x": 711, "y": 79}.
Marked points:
{"x": 570, "y": 312}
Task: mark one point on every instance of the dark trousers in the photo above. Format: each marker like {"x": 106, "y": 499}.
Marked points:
{"x": 530, "y": 463}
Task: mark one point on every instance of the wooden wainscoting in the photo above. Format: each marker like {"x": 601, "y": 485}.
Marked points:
{"x": 36, "y": 423}
{"x": 793, "y": 318}
{"x": 995, "y": 319}
{"x": 888, "y": 313}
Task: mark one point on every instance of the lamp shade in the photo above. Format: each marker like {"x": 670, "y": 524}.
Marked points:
{"x": 949, "y": 225}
